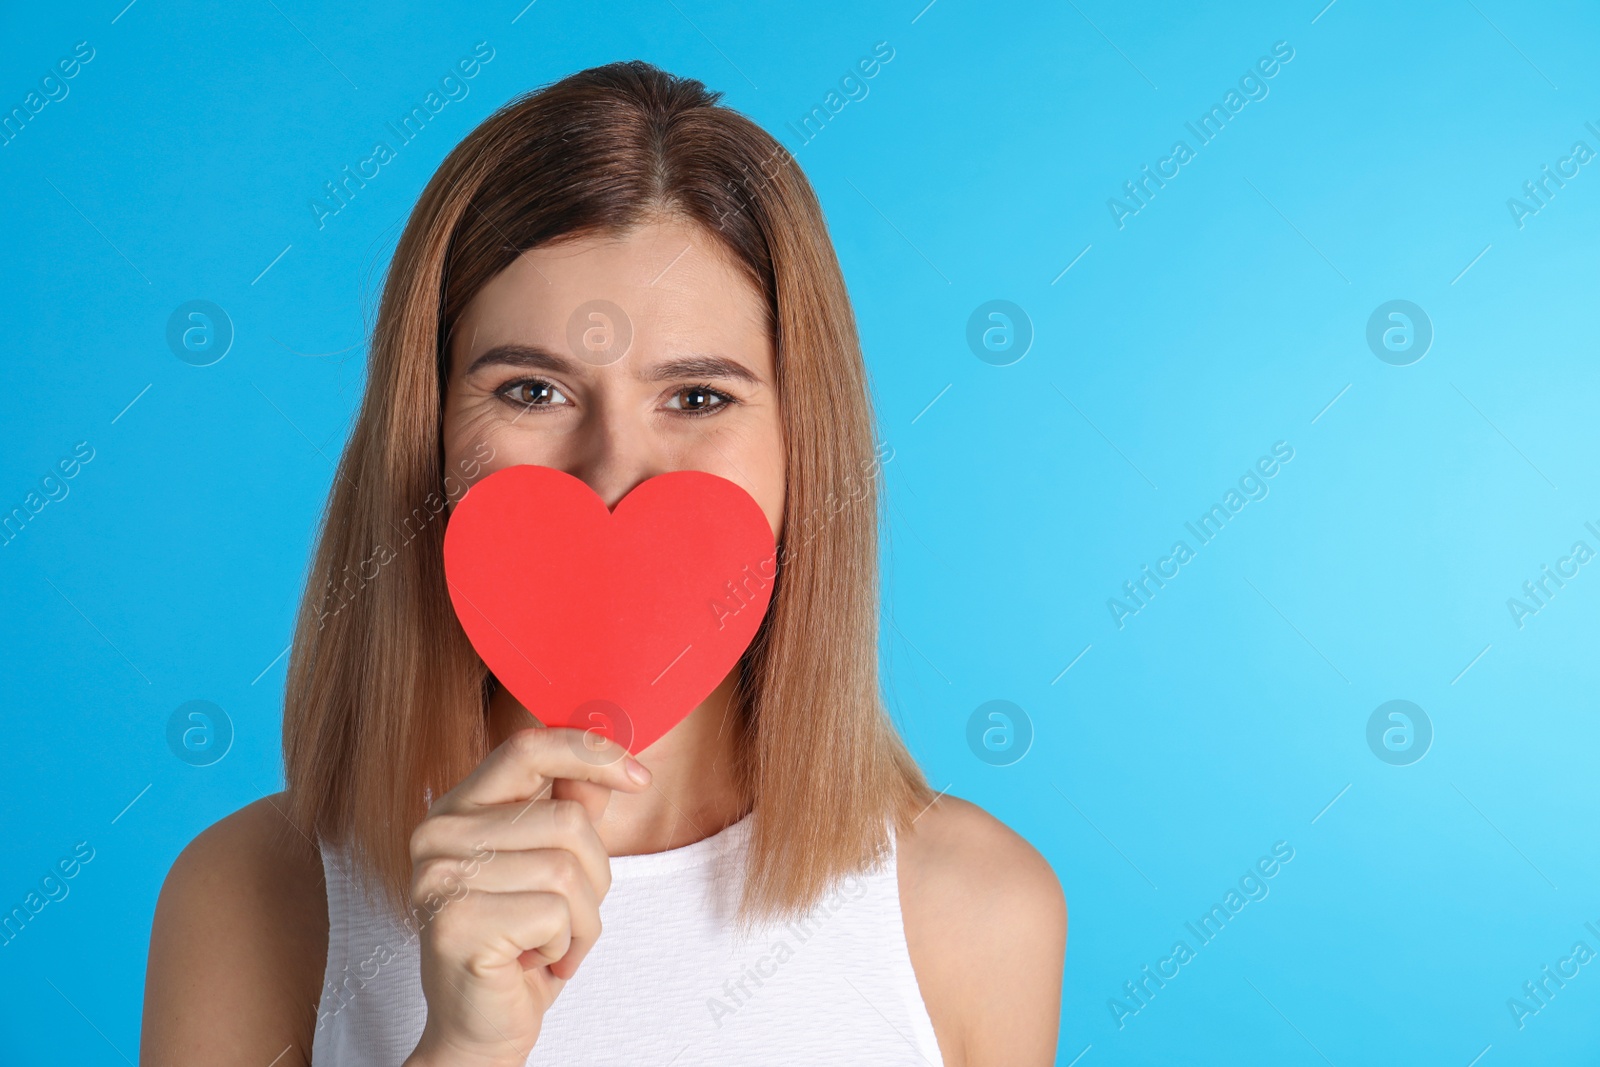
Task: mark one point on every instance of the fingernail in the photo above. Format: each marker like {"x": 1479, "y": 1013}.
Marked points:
{"x": 637, "y": 771}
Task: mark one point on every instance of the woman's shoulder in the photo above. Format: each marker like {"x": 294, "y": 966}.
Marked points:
{"x": 254, "y": 863}
{"x": 241, "y": 926}
{"x": 986, "y": 927}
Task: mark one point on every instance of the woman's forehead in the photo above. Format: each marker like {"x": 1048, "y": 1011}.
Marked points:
{"x": 661, "y": 292}
{"x": 668, "y": 252}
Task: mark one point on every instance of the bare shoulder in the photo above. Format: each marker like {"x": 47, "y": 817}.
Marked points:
{"x": 986, "y": 927}
{"x": 241, "y": 935}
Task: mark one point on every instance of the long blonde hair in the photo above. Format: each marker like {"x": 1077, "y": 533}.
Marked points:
{"x": 387, "y": 700}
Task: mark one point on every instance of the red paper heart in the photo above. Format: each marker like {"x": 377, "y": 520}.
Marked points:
{"x": 621, "y": 621}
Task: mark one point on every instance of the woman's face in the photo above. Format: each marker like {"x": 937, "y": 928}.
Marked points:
{"x": 616, "y": 359}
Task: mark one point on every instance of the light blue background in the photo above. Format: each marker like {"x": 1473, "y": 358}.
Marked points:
{"x": 1224, "y": 317}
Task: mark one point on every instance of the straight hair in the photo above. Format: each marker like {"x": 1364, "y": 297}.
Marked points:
{"x": 387, "y": 702}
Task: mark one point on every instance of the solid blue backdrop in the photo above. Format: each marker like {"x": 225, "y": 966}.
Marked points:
{"x": 1172, "y": 319}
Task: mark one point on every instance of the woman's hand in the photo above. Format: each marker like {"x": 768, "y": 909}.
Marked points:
{"x": 512, "y": 870}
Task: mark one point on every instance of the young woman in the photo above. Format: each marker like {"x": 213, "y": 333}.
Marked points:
{"x": 778, "y": 883}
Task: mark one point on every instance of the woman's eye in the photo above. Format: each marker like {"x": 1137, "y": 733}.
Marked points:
{"x": 695, "y": 399}
{"x": 533, "y": 393}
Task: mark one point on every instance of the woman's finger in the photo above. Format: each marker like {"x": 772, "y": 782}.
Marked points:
{"x": 594, "y": 798}
{"x": 488, "y": 932}
{"x": 524, "y": 765}
{"x": 473, "y": 839}
{"x": 549, "y": 870}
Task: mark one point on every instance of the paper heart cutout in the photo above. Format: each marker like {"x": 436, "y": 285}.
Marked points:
{"x": 617, "y": 621}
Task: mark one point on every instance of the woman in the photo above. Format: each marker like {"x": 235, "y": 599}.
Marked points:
{"x": 618, "y": 278}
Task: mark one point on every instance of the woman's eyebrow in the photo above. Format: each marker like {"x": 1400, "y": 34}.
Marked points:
{"x": 522, "y": 355}
{"x": 702, "y": 367}
{"x": 537, "y": 357}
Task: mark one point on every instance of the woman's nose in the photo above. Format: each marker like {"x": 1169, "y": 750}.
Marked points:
{"x": 612, "y": 459}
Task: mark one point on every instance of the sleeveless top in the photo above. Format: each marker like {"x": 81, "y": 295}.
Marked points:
{"x": 670, "y": 980}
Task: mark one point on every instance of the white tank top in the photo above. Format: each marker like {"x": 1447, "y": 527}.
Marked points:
{"x": 669, "y": 981}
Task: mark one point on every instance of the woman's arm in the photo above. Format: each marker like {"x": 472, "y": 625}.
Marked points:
{"x": 238, "y": 947}
{"x": 986, "y": 926}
